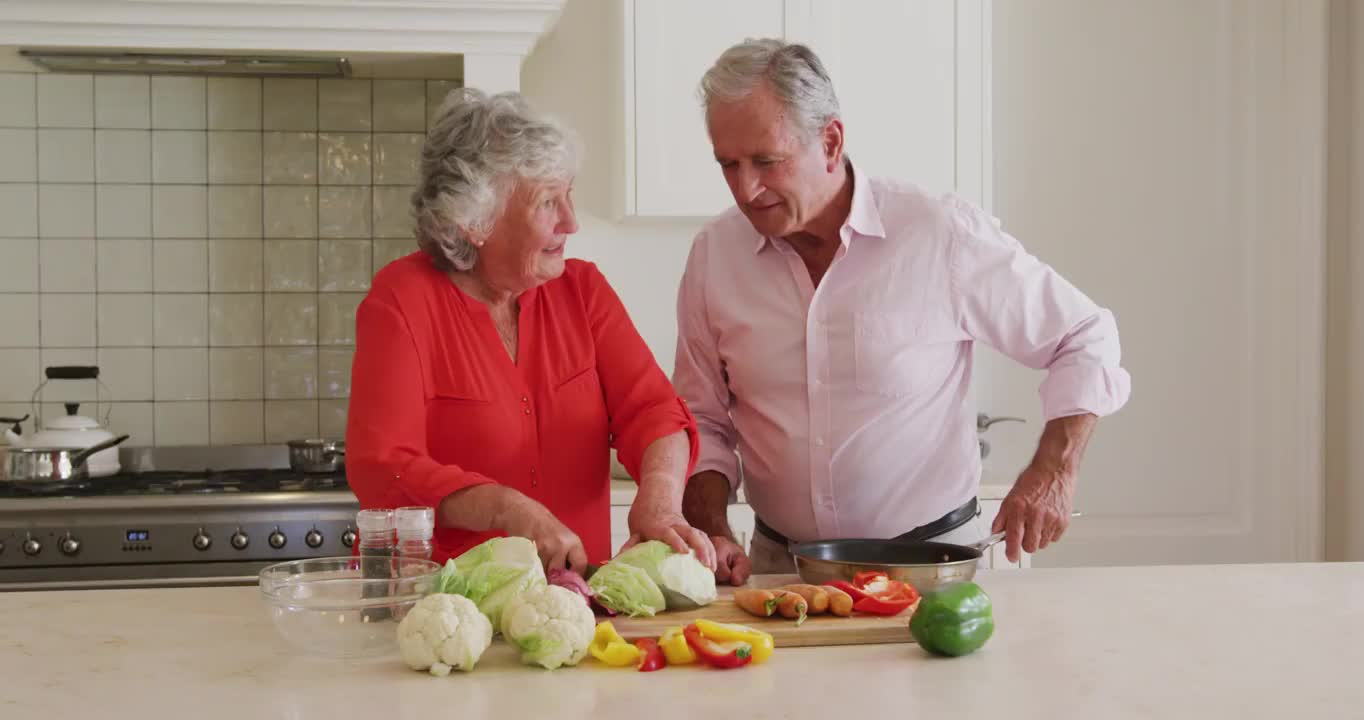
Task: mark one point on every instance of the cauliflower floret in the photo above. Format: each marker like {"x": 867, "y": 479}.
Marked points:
{"x": 442, "y": 632}
{"x": 551, "y": 625}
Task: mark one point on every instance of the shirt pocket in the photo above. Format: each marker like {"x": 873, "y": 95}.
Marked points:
{"x": 902, "y": 354}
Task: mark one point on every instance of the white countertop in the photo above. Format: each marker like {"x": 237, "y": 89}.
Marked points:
{"x": 1233, "y": 641}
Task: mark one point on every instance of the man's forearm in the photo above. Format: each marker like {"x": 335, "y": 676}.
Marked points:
{"x": 1063, "y": 444}
{"x": 706, "y": 502}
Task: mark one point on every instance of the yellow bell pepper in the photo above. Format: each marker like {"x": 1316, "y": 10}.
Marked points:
{"x": 609, "y": 647}
{"x": 675, "y": 647}
{"x": 762, "y": 642}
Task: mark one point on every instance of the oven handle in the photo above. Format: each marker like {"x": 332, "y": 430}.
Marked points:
{"x": 132, "y": 583}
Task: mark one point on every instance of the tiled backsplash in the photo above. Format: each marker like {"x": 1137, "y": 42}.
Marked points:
{"x": 204, "y": 241}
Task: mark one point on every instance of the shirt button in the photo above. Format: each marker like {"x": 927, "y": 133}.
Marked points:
{"x": 819, "y": 442}
{"x": 818, "y": 381}
{"x": 525, "y": 399}
{"x": 527, "y": 411}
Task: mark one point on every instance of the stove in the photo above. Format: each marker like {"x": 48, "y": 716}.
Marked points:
{"x": 174, "y": 517}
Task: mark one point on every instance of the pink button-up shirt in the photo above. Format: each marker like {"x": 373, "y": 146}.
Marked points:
{"x": 848, "y": 402}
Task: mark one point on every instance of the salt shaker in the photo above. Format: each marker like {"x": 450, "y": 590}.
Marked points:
{"x": 415, "y": 525}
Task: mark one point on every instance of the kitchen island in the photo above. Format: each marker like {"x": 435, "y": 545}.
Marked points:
{"x": 1234, "y": 641}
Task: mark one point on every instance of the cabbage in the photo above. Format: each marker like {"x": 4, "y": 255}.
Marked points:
{"x": 492, "y": 573}
{"x": 684, "y": 581}
{"x": 624, "y": 588}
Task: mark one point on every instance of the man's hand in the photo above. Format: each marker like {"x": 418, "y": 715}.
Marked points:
{"x": 1036, "y": 511}
{"x": 731, "y": 562}
{"x": 651, "y": 519}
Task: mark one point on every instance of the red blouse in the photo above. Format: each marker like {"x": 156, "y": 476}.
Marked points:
{"x": 437, "y": 405}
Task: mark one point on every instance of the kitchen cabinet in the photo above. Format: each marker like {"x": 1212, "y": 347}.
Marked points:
{"x": 911, "y": 75}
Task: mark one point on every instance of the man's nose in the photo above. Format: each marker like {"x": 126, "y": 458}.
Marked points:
{"x": 747, "y": 187}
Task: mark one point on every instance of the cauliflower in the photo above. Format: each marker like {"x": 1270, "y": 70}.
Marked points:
{"x": 551, "y": 625}
{"x": 444, "y": 631}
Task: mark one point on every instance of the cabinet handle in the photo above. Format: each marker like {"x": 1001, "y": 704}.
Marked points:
{"x": 984, "y": 421}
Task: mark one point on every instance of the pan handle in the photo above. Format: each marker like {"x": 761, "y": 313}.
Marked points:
{"x": 79, "y": 458}
{"x": 994, "y": 539}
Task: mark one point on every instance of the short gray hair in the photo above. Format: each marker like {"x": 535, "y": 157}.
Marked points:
{"x": 792, "y": 70}
{"x": 477, "y": 148}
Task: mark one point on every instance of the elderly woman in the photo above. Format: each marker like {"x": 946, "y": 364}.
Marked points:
{"x": 492, "y": 375}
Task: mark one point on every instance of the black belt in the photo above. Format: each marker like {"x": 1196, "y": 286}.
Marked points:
{"x": 951, "y": 521}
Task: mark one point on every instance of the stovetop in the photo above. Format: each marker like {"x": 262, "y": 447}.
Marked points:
{"x": 177, "y": 482}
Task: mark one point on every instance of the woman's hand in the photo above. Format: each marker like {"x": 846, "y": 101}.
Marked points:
{"x": 558, "y": 546}
{"x": 654, "y": 518}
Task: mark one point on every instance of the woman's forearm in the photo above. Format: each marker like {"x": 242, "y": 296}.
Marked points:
{"x": 478, "y": 508}
{"x": 663, "y": 469}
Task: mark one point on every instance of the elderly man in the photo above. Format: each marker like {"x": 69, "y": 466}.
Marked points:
{"x": 825, "y": 331}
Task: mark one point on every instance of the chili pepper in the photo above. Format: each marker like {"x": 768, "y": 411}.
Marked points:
{"x": 609, "y": 647}
{"x": 675, "y": 647}
{"x": 651, "y": 655}
{"x": 723, "y": 655}
{"x": 761, "y": 642}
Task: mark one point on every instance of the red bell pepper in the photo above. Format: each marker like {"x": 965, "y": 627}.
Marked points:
{"x": 723, "y": 655}
{"x": 652, "y": 657}
{"x": 875, "y": 593}
{"x": 847, "y": 587}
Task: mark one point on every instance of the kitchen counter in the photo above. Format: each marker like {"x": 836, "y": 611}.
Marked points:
{"x": 1242, "y": 641}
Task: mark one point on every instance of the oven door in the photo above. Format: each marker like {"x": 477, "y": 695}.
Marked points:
{"x": 109, "y": 577}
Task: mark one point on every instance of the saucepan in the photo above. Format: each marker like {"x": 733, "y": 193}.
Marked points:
{"x": 317, "y": 456}
{"x": 925, "y": 564}
{"x": 51, "y": 466}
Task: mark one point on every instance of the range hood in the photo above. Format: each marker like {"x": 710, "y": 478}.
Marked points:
{"x": 186, "y": 63}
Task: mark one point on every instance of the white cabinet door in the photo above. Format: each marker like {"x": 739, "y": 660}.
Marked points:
{"x": 674, "y": 44}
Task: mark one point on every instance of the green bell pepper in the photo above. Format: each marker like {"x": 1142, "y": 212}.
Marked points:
{"x": 953, "y": 621}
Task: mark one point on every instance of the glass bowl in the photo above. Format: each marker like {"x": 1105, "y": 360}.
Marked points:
{"x": 344, "y": 607}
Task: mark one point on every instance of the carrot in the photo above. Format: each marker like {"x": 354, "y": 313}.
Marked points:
{"x": 840, "y": 603}
{"x": 792, "y": 605}
{"x": 756, "y": 602}
{"x": 815, "y": 597}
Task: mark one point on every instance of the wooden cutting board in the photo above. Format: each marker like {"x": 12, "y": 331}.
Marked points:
{"x": 817, "y": 630}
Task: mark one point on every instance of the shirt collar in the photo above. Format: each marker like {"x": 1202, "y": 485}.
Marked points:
{"x": 864, "y": 218}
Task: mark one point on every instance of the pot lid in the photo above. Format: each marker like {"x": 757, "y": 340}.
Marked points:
{"x": 72, "y": 421}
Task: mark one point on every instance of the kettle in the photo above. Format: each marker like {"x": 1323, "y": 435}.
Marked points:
{"x": 73, "y": 430}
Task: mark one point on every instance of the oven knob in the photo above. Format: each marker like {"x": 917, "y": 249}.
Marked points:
{"x": 348, "y": 537}
{"x": 69, "y": 545}
{"x": 277, "y": 539}
{"x": 2, "y": 547}
{"x": 32, "y": 547}
{"x": 202, "y": 541}
{"x": 240, "y": 540}
{"x": 313, "y": 539}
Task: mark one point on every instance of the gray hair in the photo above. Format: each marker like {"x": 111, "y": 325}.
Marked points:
{"x": 792, "y": 70}
{"x": 476, "y": 150}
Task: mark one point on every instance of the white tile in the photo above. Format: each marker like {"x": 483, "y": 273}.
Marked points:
{"x": 66, "y": 391}
{"x": 123, "y": 265}
{"x": 123, "y": 101}
{"x": 123, "y": 156}
{"x": 234, "y": 157}
{"x": 333, "y": 372}
{"x": 343, "y": 265}
{"x": 136, "y": 420}
{"x": 18, "y": 100}
{"x": 179, "y": 156}
{"x": 179, "y": 103}
{"x": 344, "y": 212}
{"x": 235, "y": 211}
{"x": 18, "y": 155}
{"x": 21, "y": 324}
{"x": 290, "y": 104}
{"x": 236, "y": 422}
{"x": 66, "y": 211}
{"x": 180, "y": 266}
{"x": 343, "y": 104}
{"x": 331, "y": 418}
{"x": 181, "y": 423}
{"x": 236, "y": 319}
{"x": 66, "y": 100}
{"x": 397, "y": 158}
{"x": 181, "y": 373}
{"x": 344, "y": 158}
{"x": 21, "y": 375}
{"x": 18, "y": 265}
{"x": 179, "y": 211}
{"x": 19, "y": 208}
{"x": 236, "y": 265}
{"x": 67, "y": 265}
{"x": 386, "y": 251}
{"x": 234, "y": 103}
{"x": 128, "y": 372}
{"x": 290, "y": 319}
{"x": 290, "y": 373}
{"x": 399, "y": 105}
{"x": 66, "y": 156}
{"x": 290, "y": 211}
{"x": 68, "y": 320}
{"x": 436, "y": 93}
{"x": 126, "y": 320}
{"x": 236, "y": 373}
{"x": 287, "y": 420}
{"x": 291, "y": 265}
{"x": 290, "y": 158}
{"x": 392, "y": 212}
{"x": 181, "y": 319}
{"x": 123, "y": 211}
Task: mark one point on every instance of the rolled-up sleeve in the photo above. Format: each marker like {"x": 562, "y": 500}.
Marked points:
{"x": 698, "y": 373}
{"x": 1026, "y": 310}
{"x": 641, "y": 405}
{"x": 387, "y": 460}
